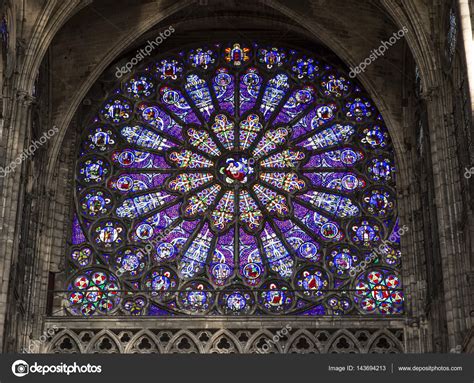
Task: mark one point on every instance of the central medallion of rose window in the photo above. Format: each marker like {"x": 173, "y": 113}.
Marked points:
{"x": 237, "y": 170}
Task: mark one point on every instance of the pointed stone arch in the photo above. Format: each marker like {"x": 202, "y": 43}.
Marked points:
{"x": 223, "y": 342}
{"x": 104, "y": 342}
{"x": 184, "y": 342}
{"x": 343, "y": 342}
{"x": 263, "y": 342}
{"x": 65, "y": 342}
{"x": 383, "y": 342}
{"x": 303, "y": 342}
{"x": 144, "y": 342}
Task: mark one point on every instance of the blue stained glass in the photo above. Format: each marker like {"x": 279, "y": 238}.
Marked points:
{"x": 378, "y": 202}
{"x": 197, "y": 297}
{"x": 186, "y": 182}
{"x": 95, "y": 202}
{"x": 381, "y": 169}
{"x": 201, "y": 58}
{"x": 306, "y": 68}
{"x": 169, "y": 69}
{"x": 303, "y": 245}
{"x": 117, "y": 110}
{"x": 239, "y": 301}
{"x": 322, "y": 226}
{"x": 138, "y": 206}
{"x": 195, "y": 256}
{"x": 201, "y": 140}
{"x": 366, "y": 232}
{"x": 221, "y": 265}
{"x": 77, "y": 234}
{"x": 335, "y": 205}
{"x": 270, "y": 141}
{"x": 274, "y": 92}
{"x": 140, "y": 86}
{"x": 145, "y": 138}
{"x": 284, "y": 159}
{"x": 276, "y": 297}
{"x": 223, "y": 214}
{"x": 154, "y": 225}
{"x": 198, "y": 90}
{"x": 313, "y": 281}
{"x": 272, "y": 57}
{"x": 223, "y": 128}
{"x": 342, "y": 260}
{"x": 336, "y": 134}
{"x": 334, "y": 85}
{"x": 278, "y": 257}
{"x": 188, "y": 160}
{"x": 375, "y": 137}
{"x": 100, "y": 139}
{"x": 250, "y": 260}
{"x": 93, "y": 170}
{"x": 359, "y": 109}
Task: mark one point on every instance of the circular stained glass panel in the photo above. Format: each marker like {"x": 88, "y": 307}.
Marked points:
{"x": 238, "y": 179}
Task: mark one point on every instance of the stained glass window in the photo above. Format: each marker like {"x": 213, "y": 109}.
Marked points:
{"x": 451, "y": 37}
{"x": 235, "y": 179}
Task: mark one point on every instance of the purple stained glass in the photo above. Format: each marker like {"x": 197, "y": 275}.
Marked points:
{"x": 250, "y": 84}
{"x": 154, "y": 226}
{"x": 299, "y": 101}
{"x": 136, "y": 159}
{"x": 339, "y": 158}
{"x": 224, "y": 88}
{"x": 77, "y": 236}
{"x": 347, "y": 182}
{"x": 315, "y": 119}
{"x": 158, "y": 119}
{"x": 175, "y": 102}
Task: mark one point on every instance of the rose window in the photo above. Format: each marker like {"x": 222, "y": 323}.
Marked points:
{"x": 235, "y": 180}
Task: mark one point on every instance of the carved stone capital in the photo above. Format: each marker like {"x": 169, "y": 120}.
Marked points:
{"x": 25, "y": 97}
